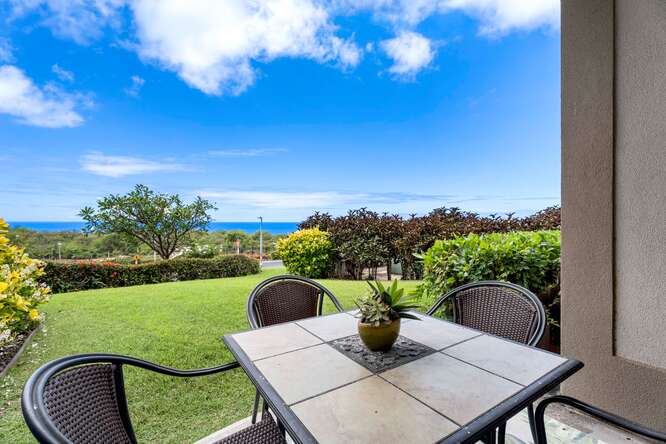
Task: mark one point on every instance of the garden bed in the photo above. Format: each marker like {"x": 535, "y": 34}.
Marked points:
{"x": 11, "y": 353}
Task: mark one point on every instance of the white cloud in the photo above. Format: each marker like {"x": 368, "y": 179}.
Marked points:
{"x": 6, "y": 51}
{"x": 31, "y": 105}
{"x": 62, "y": 73}
{"x": 212, "y": 46}
{"x": 496, "y": 17}
{"x": 257, "y": 152}
{"x": 216, "y": 46}
{"x": 135, "y": 88}
{"x": 282, "y": 200}
{"x": 318, "y": 200}
{"x": 411, "y": 52}
{"x": 119, "y": 166}
{"x": 80, "y": 20}
{"x": 499, "y": 17}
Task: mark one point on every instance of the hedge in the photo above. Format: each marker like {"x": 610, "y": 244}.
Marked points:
{"x": 74, "y": 276}
{"x": 366, "y": 240}
{"x": 529, "y": 259}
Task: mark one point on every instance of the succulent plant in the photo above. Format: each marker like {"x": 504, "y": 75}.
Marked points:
{"x": 383, "y": 305}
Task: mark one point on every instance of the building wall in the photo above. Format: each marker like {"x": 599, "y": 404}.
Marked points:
{"x": 640, "y": 182}
{"x": 614, "y": 204}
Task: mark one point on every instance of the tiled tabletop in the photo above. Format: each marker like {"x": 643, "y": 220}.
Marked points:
{"x": 461, "y": 386}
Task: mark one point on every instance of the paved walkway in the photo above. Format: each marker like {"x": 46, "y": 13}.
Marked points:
{"x": 271, "y": 264}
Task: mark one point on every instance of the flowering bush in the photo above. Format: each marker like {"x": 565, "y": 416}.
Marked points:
{"x": 307, "y": 253}
{"x": 20, "y": 292}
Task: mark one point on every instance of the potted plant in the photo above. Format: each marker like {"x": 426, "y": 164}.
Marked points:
{"x": 379, "y": 315}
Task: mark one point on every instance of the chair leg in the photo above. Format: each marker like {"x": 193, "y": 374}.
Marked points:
{"x": 255, "y": 409}
{"x": 501, "y": 434}
{"x": 530, "y": 414}
{"x": 491, "y": 437}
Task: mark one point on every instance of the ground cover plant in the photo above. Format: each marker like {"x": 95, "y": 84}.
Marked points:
{"x": 176, "y": 324}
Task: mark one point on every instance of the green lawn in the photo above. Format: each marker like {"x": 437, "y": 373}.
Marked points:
{"x": 176, "y": 324}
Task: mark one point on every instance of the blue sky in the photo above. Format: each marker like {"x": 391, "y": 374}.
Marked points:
{"x": 280, "y": 107}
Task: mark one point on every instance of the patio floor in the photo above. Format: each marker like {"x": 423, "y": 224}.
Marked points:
{"x": 563, "y": 426}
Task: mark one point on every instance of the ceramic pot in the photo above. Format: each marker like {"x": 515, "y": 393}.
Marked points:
{"x": 379, "y": 338}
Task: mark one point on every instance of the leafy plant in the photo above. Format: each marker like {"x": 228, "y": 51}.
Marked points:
{"x": 365, "y": 240}
{"x": 383, "y": 305}
{"x": 307, "y": 253}
{"x": 20, "y": 291}
{"x": 529, "y": 259}
{"x": 203, "y": 251}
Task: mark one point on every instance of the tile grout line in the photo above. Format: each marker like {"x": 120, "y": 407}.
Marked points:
{"x": 461, "y": 342}
{"x": 331, "y": 390}
{"x": 418, "y": 400}
{"x": 481, "y": 368}
{"x": 308, "y": 331}
{"x": 287, "y": 352}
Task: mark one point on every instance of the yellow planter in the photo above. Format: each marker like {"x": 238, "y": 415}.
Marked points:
{"x": 379, "y": 338}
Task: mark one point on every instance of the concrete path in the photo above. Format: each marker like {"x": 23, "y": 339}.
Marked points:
{"x": 271, "y": 264}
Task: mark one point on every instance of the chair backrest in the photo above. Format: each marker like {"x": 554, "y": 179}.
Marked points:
{"x": 286, "y": 298}
{"x": 498, "y": 308}
{"x": 66, "y": 402}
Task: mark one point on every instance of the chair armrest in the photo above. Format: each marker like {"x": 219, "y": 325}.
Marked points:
{"x": 181, "y": 373}
{"x": 594, "y": 412}
{"x": 97, "y": 358}
{"x": 439, "y": 302}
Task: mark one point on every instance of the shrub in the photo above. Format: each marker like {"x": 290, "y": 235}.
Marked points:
{"x": 529, "y": 259}
{"x": 364, "y": 239}
{"x": 20, "y": 292}
{"x": 360, "y": 240}
{"x": 203, "y": 251}
{"x": 307, "y": 253}
{"x": 74, "y": 276}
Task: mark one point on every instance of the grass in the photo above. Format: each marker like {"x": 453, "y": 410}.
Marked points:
{"x": 175, "y": 324}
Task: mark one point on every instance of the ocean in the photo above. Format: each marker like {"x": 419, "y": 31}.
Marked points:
{"x": 248, "y": 227}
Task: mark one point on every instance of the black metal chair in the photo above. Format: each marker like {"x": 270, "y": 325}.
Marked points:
{"x": 285, "y": 298}
{"x": 594, "y": 412}
{"x": 499, "y": 308}
{"x": 81, "y": 399}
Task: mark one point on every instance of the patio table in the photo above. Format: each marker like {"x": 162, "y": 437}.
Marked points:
{"x": 440, "y": 382}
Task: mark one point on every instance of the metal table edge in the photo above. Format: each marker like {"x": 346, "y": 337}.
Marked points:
{"x": 507, "y": 409}
{"x": 292, "y": 424}
{"x": 483, "y": 333}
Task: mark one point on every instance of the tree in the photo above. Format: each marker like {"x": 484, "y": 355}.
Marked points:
{"x": 323, "y": 221}
{"x": 358, "y": 241}
{"x": 161, "y": 221}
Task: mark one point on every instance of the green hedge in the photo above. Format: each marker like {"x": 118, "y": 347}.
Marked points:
{"x": 529, "y": 259}
{"x": 75, "y": 276}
